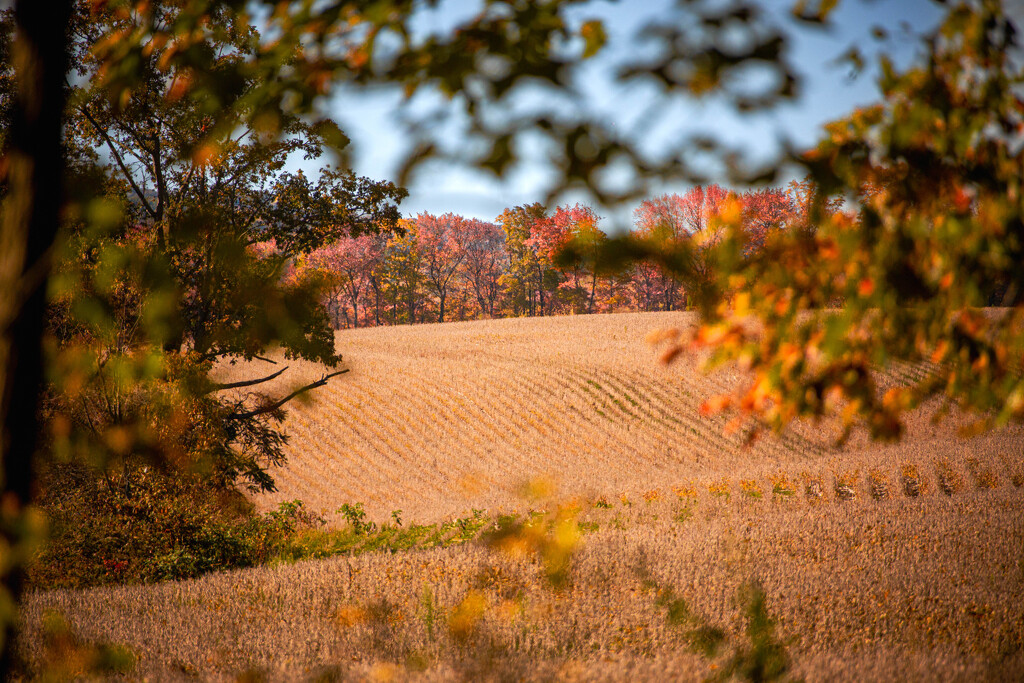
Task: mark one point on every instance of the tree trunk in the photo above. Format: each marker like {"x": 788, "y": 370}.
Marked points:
{"x": 28, "y": 228}
{"x": 540, "y": 289}
{"x": 593, "y": 292}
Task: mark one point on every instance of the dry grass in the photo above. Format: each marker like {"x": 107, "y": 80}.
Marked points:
{"x": 898, "y": 562}
{"x": 897, "y": 589}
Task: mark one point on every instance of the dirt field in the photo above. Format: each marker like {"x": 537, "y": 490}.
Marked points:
{"x": 902, "y": 562}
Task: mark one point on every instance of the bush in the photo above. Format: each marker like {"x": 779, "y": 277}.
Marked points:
{"x": 143, "y": 525}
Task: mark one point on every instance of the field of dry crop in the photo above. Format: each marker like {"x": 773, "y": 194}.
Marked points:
{"x": 899, "y": 562}
{"x": 438, "y": 420}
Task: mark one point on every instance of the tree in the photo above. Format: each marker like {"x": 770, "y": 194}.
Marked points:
{"x": 486, "y": 260}
{"x": 550, "y": 235}
{"x": 155, "y": 280}
{"x": 402, "y": 274}
{"x": 672, "y": 220}
{"x": 28, "y": 228}
{"x": 200, "y": 201}
{"x": 524, "y": 281}
{"x": 441, "y": 241}
{"x": 350, "y": 263}
{"x": 765, "y": 210}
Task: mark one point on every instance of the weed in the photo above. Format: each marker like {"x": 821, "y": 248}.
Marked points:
{"x": 846, "y": 485}
{"x": 912, "y": 484}
{"x": 782, "y": 487}
{"x": 684, "y": 513}
{"x": 950, "y": 481}
{"x": 879, "y": 485}
{"x": 356, "y": 517}
{"x": 720, "y": 489}
{"x": 983, "y": 477}
{"x": 813, "y": 489}
{"x": 751, "y": 488}
{"x": 685, "y": 491}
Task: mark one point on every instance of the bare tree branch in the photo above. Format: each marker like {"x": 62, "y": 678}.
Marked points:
{"x": 271, "y": 407}
{"x": 120, "y": 162}
{"x": 246, "y": 382}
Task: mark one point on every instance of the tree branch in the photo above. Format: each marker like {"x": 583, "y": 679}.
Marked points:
{"x": 120, "y": 162}
{"x": 246, "y": 382}
{"x": 271, "y": 407}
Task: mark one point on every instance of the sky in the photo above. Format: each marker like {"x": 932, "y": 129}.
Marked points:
{"x": 829, "y": 91}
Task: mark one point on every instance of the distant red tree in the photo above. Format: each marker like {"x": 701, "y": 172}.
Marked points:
{"x": 672, "y": 218}
{"x": 348, "y": 264}
{"x": 578, "y": 286}
{"x": 485, "y": 261}
{"x": 766, "y": 210}
{"x": 442, "y": 244}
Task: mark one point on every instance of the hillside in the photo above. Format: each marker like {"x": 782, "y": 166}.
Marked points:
{"x": 436, "y": 420}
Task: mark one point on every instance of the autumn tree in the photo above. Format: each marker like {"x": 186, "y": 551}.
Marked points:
{"x": 348, "y": 263}
{"x": 485, "y": 262}
{"x": 155, "y": 280}
{"x": 401, "y": 275}
{"x": 764, "y": 210}
{"x": 524, "y": 280}
{"x": 550, "y": 235}
{"x": 441, "y": 242}
{"x": 674, "y": 219}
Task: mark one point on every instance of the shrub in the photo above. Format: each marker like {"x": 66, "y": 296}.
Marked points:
{"x": 143, "y": 525}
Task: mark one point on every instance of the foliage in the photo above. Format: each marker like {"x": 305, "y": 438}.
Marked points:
{"x": 173, "y": 255}
{"x": 143, "y": 526}
{"x": 933, "y": 174}
{"x": 911, "y": 219}
{"x": 171, "y": 260}
{"x": 449, "y": 267}
{"x": 356, "y": 517}
{"x": 550, "y": 537}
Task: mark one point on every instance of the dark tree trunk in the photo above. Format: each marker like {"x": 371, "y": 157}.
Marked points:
{"x": 540, "y": 289}
{"x": 593, "y": 292}
{"x": 35, "y": 169}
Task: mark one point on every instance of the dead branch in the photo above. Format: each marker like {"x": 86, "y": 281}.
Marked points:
{"x": 271, "y": 407}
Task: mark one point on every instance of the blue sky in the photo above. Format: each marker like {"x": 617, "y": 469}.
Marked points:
{"x": 372, "y": 119}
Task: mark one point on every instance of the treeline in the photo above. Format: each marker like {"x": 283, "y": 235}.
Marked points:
{"x": 445, "y": 268}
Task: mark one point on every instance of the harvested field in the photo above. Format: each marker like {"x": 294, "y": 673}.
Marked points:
{"x": 436, "y": 420}
{"x": 898, "y": 562}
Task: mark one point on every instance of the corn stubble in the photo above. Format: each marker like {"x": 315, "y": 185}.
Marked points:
{"x": 873, "y": 563}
